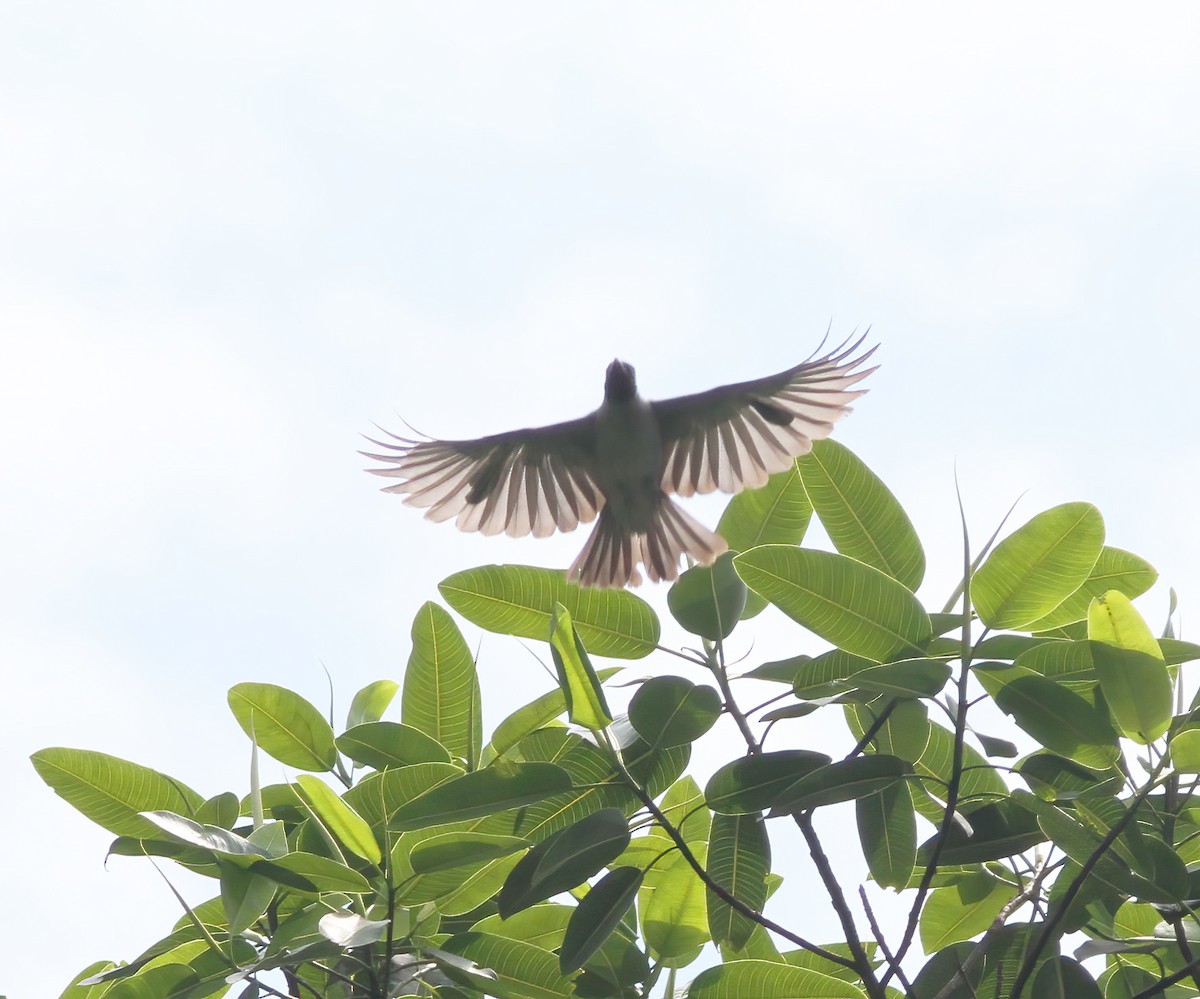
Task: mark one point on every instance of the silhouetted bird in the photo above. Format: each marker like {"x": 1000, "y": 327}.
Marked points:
{"x": 624, "y": 460}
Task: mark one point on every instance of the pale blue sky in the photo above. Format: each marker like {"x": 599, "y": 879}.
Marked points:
{"x": 232, "y": 236}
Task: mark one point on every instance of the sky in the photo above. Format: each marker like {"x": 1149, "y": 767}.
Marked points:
{"x": 234, "y": 237}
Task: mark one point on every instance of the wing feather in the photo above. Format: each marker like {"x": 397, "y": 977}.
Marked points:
{"x": 733, "y": 437}
{"x": 524, "y": 482}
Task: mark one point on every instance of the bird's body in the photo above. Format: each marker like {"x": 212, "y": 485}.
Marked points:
{"x": 622, "y": 461}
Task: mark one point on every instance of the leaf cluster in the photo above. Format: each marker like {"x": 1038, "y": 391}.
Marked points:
{"x": 411, "y": 858}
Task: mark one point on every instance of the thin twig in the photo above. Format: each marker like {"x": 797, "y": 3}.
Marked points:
{"x": 717, "y": 889}
{"x": 838, "y": 900}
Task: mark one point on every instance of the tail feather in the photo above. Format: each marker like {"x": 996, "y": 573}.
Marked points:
{"x": 611, "y": 556}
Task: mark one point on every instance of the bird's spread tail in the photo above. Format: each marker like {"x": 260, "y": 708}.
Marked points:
{"x": 612, "y": 554}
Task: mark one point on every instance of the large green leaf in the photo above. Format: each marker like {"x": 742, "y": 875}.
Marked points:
{"x": 1137, "y": 688}
{"x": 378, "y": 796}
{"x": 284, "y": 725}
{"x": 674, "y": 920}
{"x": 996, "y": 830}
{"x": 672, "y": 711}
{"x": 371, "y": 702}
{"x": 1052, "y": 777}
{"x": 887, "y": 830}
{"x": 222, "y": 842}
{"x": 1115, "y": 569}
{"x": 1038, "y": 566}
{"x": 767, "y": 980}
{"x": 464, "y": 848}
{"x": 908, "y": 678}
{"x": 707, "y": 600}
{"x": 382, "y": 744}
{"x": 311, "y": 873}
{"x": 776, "y": 514}
{"x": 586, "y": 704}
{"x": 522, "y": 970}
{"x": 1058, "y": 718}
{"x": 441, "y": 687}
{"x": 1130, "y": 666}
{"x": 752, "y": 783}
{"x": 246, "y": 896}
{"x": 483, "y": 792}
{"x": 844, "y": 780}
{"x": 739, "y": 860}
{"x": 859, "y": 513}
{"x": 565, "y": 860}
{"x": 959, "y": 911}
{"x": 519, "y": 600}
{"x": 111, "y": 791}
{"x": 349, "y": 828}
{"x": 597, "y": 915}
{"x": 854, "y": 606}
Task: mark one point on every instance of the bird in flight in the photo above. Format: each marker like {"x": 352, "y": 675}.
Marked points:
{"x": 624, "y": 461}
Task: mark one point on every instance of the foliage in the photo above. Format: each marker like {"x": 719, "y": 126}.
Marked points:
{"x": 582, "y": 860}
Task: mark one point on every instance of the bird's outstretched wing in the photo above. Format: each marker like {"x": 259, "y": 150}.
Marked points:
{"x": 525, "y": 481}
{"x": 735, "y": 436}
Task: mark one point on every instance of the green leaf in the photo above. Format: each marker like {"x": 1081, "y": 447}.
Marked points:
{"x": 112, "y": 792}
{"x": 1038, "y": 566}
{"x": 597, "y": 915}
{"x": 852, "y": 605}
{"x": 767, "y": 980}
{"x": 586, "y": 704}
{"x": 672, "y": 711}
{"x": 821, "y": 676}
{"x": 212, "y": 838}
{"x": 959, "y": 911}
{"x": 565, "y": 860}
{"x": 707, "y": 600}
{"x": 1052, "y": 777}
{"x": 1129, "y": 663}
{"x": 859, "y": 513}
{"x": 465, "y": 848}
{"x": 519, "y": 600}
{"x": 482, "y": 792}
{"x": 997, "y": 830}
{"x": 1113, "y": 620}
{"x": 522, "y": 970}
{"x": 739, "y": 860}
{"x": 841, "y": 781}
{"x": 776, "y": 514}
{"x": 674, "y": 920}
{"x": 1185, "y": 750}
{"x": 378, "y": 796}
{"x": 441, "y": 687}
{"x": 754, "y": 782}
{"x": 1058, "y": 718}
{"x": 347, "y": 826}
{"x": 245, "y": 896}
{"x": 383, "y": 744}
{"x": 1067, "y": 663}
{"x": 535, "y": 715}
{"x": 371, "y": 702}
{"x": 1137, "y": 689}
{"x": 1115, "y": 569}
{"x": 887, "y": 830}
{"x": 220, "y": 810}
{"x": 284, "y": 725}
{"x": 907, "y": 678}
{"x": 308, "y": 872}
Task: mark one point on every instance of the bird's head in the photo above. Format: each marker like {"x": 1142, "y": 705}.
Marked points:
{"x": 620, "y": 384}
